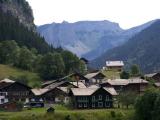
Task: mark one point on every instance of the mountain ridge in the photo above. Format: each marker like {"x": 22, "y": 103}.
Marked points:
{"x": 87, "y": 39}
{"x": 142, "y": 49}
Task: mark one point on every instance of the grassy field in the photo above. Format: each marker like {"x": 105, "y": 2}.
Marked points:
{"x": 8, "y": 72}
{"x": 110, "y": 74}
{"x": 61, "y": 113}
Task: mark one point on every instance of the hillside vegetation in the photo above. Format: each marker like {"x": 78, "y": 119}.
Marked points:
{"x": 10, "y": 72}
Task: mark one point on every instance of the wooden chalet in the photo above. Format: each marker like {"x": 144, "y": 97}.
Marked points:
{"x": 136, "y": 85}
{"x": 74, "y": 77}
{"x": 92, "y": 98}
{"x": 55, "y": 92}
{"x": 15, "y": 91}
{"x": 95, "y": 78}
{"x": 114, "y": 65}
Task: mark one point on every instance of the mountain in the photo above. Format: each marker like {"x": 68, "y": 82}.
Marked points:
{"x": 16, "y": 23}
{"x": 80, "y": 37}
{"x": 87, "y": 39}
{"x": 142, "y": 49}
{"x": 19, "y": 9}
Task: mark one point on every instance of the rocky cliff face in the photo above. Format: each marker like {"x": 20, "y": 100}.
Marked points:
{"x": 19, "y": 9}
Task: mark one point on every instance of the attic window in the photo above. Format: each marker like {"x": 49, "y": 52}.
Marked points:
{"x": 100, "y": 97}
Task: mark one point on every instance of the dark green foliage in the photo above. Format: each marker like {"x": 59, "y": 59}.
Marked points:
{"x": 51, "y": 66}
{"x": 9, "y": 52}
{"x": 19, "y": 106}
{"x": 68, "y": 117}
{"x": 124, "y": 75}
{"x": 127, "y": 98}
{"x": 21, "y": 79}
{"x": 72, "y": 63}
{"x": 135, "y": 71}
{"x": 113, "y": 114}
{"x": 147, "y": 106}
{"x": 11, "y": 29}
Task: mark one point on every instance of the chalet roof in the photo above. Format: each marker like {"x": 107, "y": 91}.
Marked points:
{"x": 81, "y": 77}
{"x": 93, "y": 86}
{"x": 150, "y": 75}
{"x": 137, "y": 80}
{"x": 92, "y": 75}
{"x": 118, "y": 82}
{"x": 90, "y": 91}
{"x": 85, "y": 60}
{"x": 48, "y": 82}
{"x": 83, "y": 91}
{"x": 126, "y": 81}
{"x": 157, "y": 84}
{"x": 114, "y": 63}
{"x": 111, "y": 90}
{"x": 6, "y": 80}
{"x": 56, "y": 84}
{"x": 80, "y": 84}
{"x": 39, "y": 91}
{"x": 64, "y": 89}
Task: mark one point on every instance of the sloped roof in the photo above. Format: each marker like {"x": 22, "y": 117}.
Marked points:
{"x": 56, "y": 84}
{"x": 126, "y": 81}
{"x": 7, "y": 80}
{"x": 118, "y": 82}
{"x": 114, "y": 63}
{"x": 111, "y": 90}
{"x": 137, "y": 80}
{"x": 83, "y": 91}
{"x": 157, "y": 84}
{"x": 90, "y": 91}
{"x": 92, "y": 75}
{"x": 39, "y": 91}
{"x": 150, "y": 75}
{"x": 93, "y": 86}
{"x": 80, "y": 84}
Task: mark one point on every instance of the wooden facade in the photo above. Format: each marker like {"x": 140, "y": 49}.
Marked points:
{"x": 95, "y": 78}
{"x": 15, "y": 91}
{"x": 133, "y": 85}
{"x": 100, "y": 98}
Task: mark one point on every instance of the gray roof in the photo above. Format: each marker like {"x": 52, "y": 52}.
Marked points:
{"x": 90, "y": 91}
{"x": 80, "y": 84}
{"x": 157, "y": 84}
{"x": 91, "y": 75}
{"x": 150, "y": 75}
{"x": 126, "y": 81}
{"x": 114, "y": 63}
{"x": 39, "y": 91}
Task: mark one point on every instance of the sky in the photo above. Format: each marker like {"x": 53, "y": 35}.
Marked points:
{"x": 128, "y": 13}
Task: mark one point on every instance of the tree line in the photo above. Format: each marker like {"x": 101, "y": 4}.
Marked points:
{"x": 51, "y": 65}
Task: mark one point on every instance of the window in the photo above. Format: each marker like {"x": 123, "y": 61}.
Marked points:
{"x": 100, "y": 104}
{"x": 107, "y": 104}
{"x": 107, "y": 98}
{"x": 80, "y": 105}
{"x": 100, "y": 97}
{"x": 93, "y": 98}
{"x": 85, "y": 104}
{"x": 2, "y": 100}
{"x": 93, "y": 105}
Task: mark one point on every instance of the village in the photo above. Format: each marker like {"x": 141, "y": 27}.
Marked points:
{"x": 90, "y": 91}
